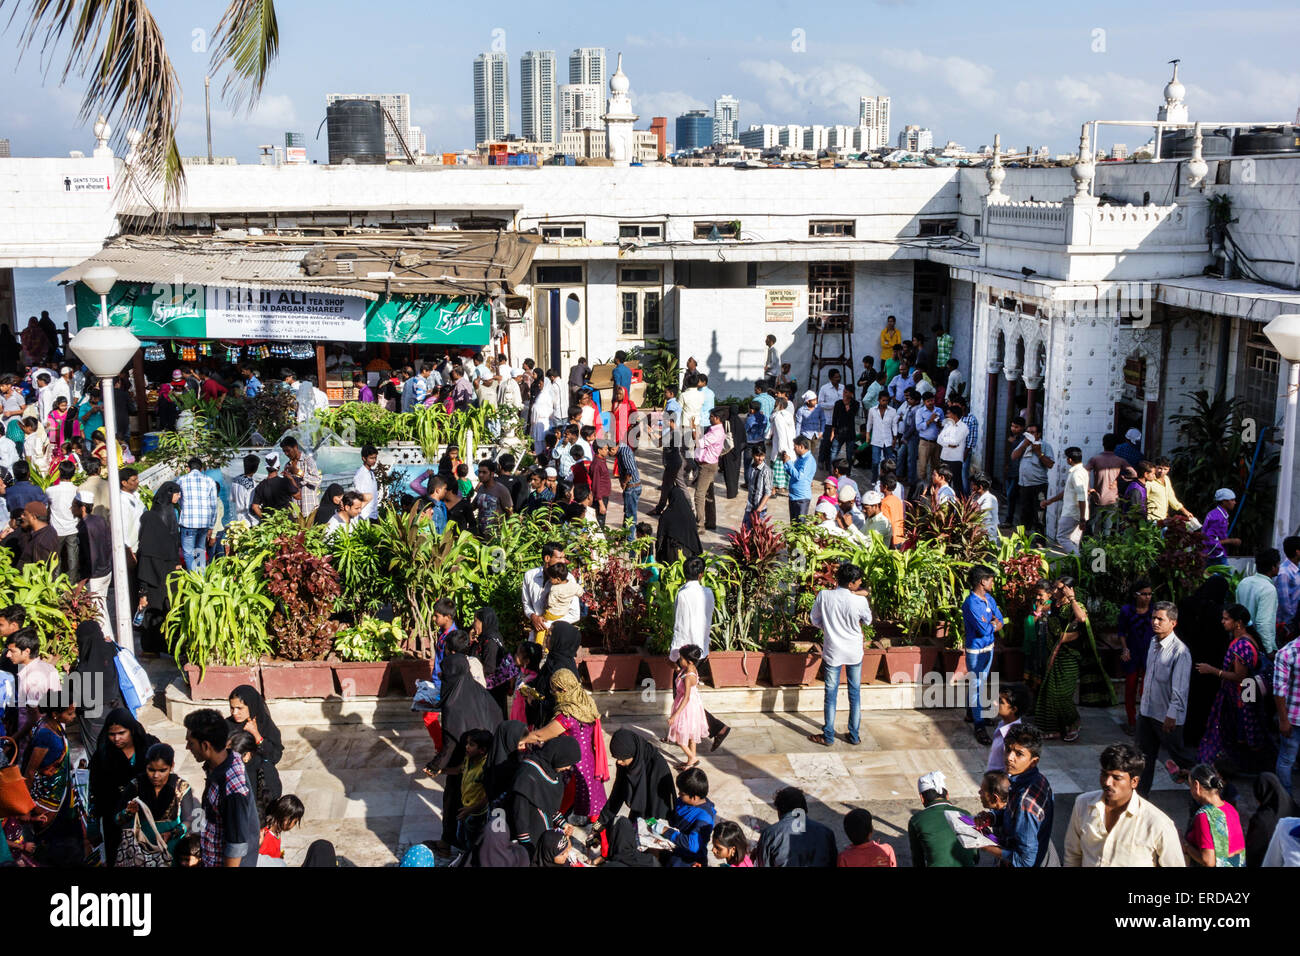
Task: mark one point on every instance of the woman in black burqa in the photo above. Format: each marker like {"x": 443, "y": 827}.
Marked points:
{"x": 466, "y": 706}
{"x": 1200, "y": 627}
{"x": 97, "y": 668}
{"x": 678, "y": 533}
{"x": 503, "y": 760}
{"x": 248, "y": 711}
{"x": 158, "y": 555}
{"x": 119, "y": 758}
{"x": 538, "y": 790}
{"x": 562, "y": 656}
{"x": 642, "y": 783}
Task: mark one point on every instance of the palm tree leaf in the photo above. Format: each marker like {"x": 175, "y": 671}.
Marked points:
{"x": 247, "y": 41}
{"x": 117, "y": 46}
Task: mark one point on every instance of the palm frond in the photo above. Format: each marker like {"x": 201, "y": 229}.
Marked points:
{"x": 117, "y": 47}
{"x": 247, "y": 41}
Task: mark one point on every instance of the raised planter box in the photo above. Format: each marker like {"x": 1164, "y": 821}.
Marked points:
{"x": 298, "y": 679}
{"x": 1011, "y": 667}
{"x": 734, "y": 668}
{"x": 903, "y": 664}
{"x": 362, "y": 678}
{"x": 793, "y": 668}
{"x": 954, "y": 665}
{"x": 660, "y": 670}
{"x": 218, "y": 680}
{"x": 611, "y": 671}
{"x": 872, "y": 660}
{"x": 409, "y": 670}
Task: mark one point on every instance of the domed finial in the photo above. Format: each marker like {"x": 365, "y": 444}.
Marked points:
{"x": 102, "y": 131}
{"x": 1174, "y": 90}
{"x": 618, "y": 82}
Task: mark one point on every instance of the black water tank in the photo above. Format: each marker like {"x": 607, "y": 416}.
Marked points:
{"x": 1177, "y": 144}
{"x": 1267, "y": 139}
{"x": 356, "y": 132}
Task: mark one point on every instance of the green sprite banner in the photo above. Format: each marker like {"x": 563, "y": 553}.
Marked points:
{"x": 164, "y": 311}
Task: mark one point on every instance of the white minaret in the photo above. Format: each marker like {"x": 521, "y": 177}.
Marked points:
{"x": 619, "y": 119}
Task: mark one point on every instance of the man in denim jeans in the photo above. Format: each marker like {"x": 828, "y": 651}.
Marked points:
{"x": 199, "y": 507}
{"x": 982, "y": 619}
{"x": 841, "y": 614}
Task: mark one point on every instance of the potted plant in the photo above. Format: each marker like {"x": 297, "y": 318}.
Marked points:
{"x": 734, "y": 657}
{"x": 618, "y": 616}
{"x": 305, "y": 587}
{"x": 217, "y": 625}
{"x": 364, "y": 651}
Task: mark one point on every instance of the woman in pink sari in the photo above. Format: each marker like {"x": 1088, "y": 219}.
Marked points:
{"x": 576, "y": 715}
{"x": 62, "y": 425}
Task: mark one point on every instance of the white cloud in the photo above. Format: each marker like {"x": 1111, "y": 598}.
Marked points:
{"x": 968, "y": 80}
{"x": 668, "y": 103}
{"x": 827, "y": 92}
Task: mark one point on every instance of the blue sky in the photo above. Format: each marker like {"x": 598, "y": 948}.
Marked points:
{"x": 1031, "y": 71}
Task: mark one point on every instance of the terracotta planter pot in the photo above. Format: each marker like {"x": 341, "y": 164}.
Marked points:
{"x": 298, "y": 679}
{"x": 931, "y": 658}
{"x": 411, "y": 669}
{"x": 362, "y": 678}
{"x": 734, "y": 668}
{"x": 793, "y": 668}
{"x": 1012, "y": 667}
{"x": 954, "y": 665}
{"x": 872, "y": 658}
{"x": 659, "y": 669}
{"x": 611, "y": 671}
{"x": 903, "y": 664}
{"x": 218, "y": 681}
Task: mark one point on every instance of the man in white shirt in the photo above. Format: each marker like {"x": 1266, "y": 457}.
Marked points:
{"x": 692, "y": 623}
{"x": 952, "y": 444}
{"x": 1115, "y": 826}
{"x": 241, "y": 491}
{"x": 1163, "y": 708}
{"x": 365, "y": 482}
{"x": 534, "y": 590}
{"x": 1258, "y": 594}
{"x": 508, "y": 393}
{"x": 132, "y": 508}
{"x": 882, "y": 430}
{"x": 841, "y": 614}
{"x": 38, "y": 681}
{"x": 988, "y": 502}
{"x": 1074, "y": 503}
{"x": 543, "y": 411}
{"x": 827, "y": 396}
{"x": 61, "y": 494}
{"x": 558, "y": 397}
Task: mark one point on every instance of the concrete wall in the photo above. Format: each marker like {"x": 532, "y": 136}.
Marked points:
{"x": 46, "y": 224}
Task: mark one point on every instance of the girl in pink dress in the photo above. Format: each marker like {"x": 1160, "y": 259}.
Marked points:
{"x": 687, "y": 723}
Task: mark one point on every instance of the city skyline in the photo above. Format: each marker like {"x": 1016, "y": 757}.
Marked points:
{"x": 944, "y": 65}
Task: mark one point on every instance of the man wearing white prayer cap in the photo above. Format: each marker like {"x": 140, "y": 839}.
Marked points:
{"x": 1131, "y": 448}
{"x": 929, "y": 834}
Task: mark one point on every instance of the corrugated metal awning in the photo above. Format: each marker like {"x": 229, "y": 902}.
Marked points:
{"x": 372, "y": 267}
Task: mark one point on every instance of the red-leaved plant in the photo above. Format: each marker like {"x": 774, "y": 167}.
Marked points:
{"x": 614, "y": 596}
{"x": 756, "y": 546}
{"x": 305, "y": 588}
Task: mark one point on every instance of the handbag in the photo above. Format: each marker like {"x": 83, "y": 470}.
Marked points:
{"x": 138, "y": 849}
{"x": 15, "y": 799}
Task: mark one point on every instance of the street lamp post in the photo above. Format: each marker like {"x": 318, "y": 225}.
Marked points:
{"x": 106, "y": 349}
{"x": 1284, "y": 333}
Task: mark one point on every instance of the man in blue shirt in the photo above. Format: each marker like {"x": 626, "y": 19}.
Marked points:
{"x": 1024, "y": 825}
{"x": 765, "y": 399}
{"x": 622, "y": 374}
{"x": 408, "y": 389}
{"x": 801, "y": 470}
{"x": 982, "y": 619}
{"x": 808, "y": 418}
{"x": 929, "y": 420}
{"x": 909, "y": 440}
{"x": 252, "y": 384}
{"x": 707, "y": 398}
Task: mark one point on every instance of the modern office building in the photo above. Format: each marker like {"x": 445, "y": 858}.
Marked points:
{"x": 726, "y": 119}
{"x": 873, "y": 111}
{"x": 694, "y": 129}
{"x": 587, "y": 66}
{"x": 915, "y": 139}
{"x": 539, "y": 118}
{"x": 491, "y": 97}
{"x": 581, "y": 107}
